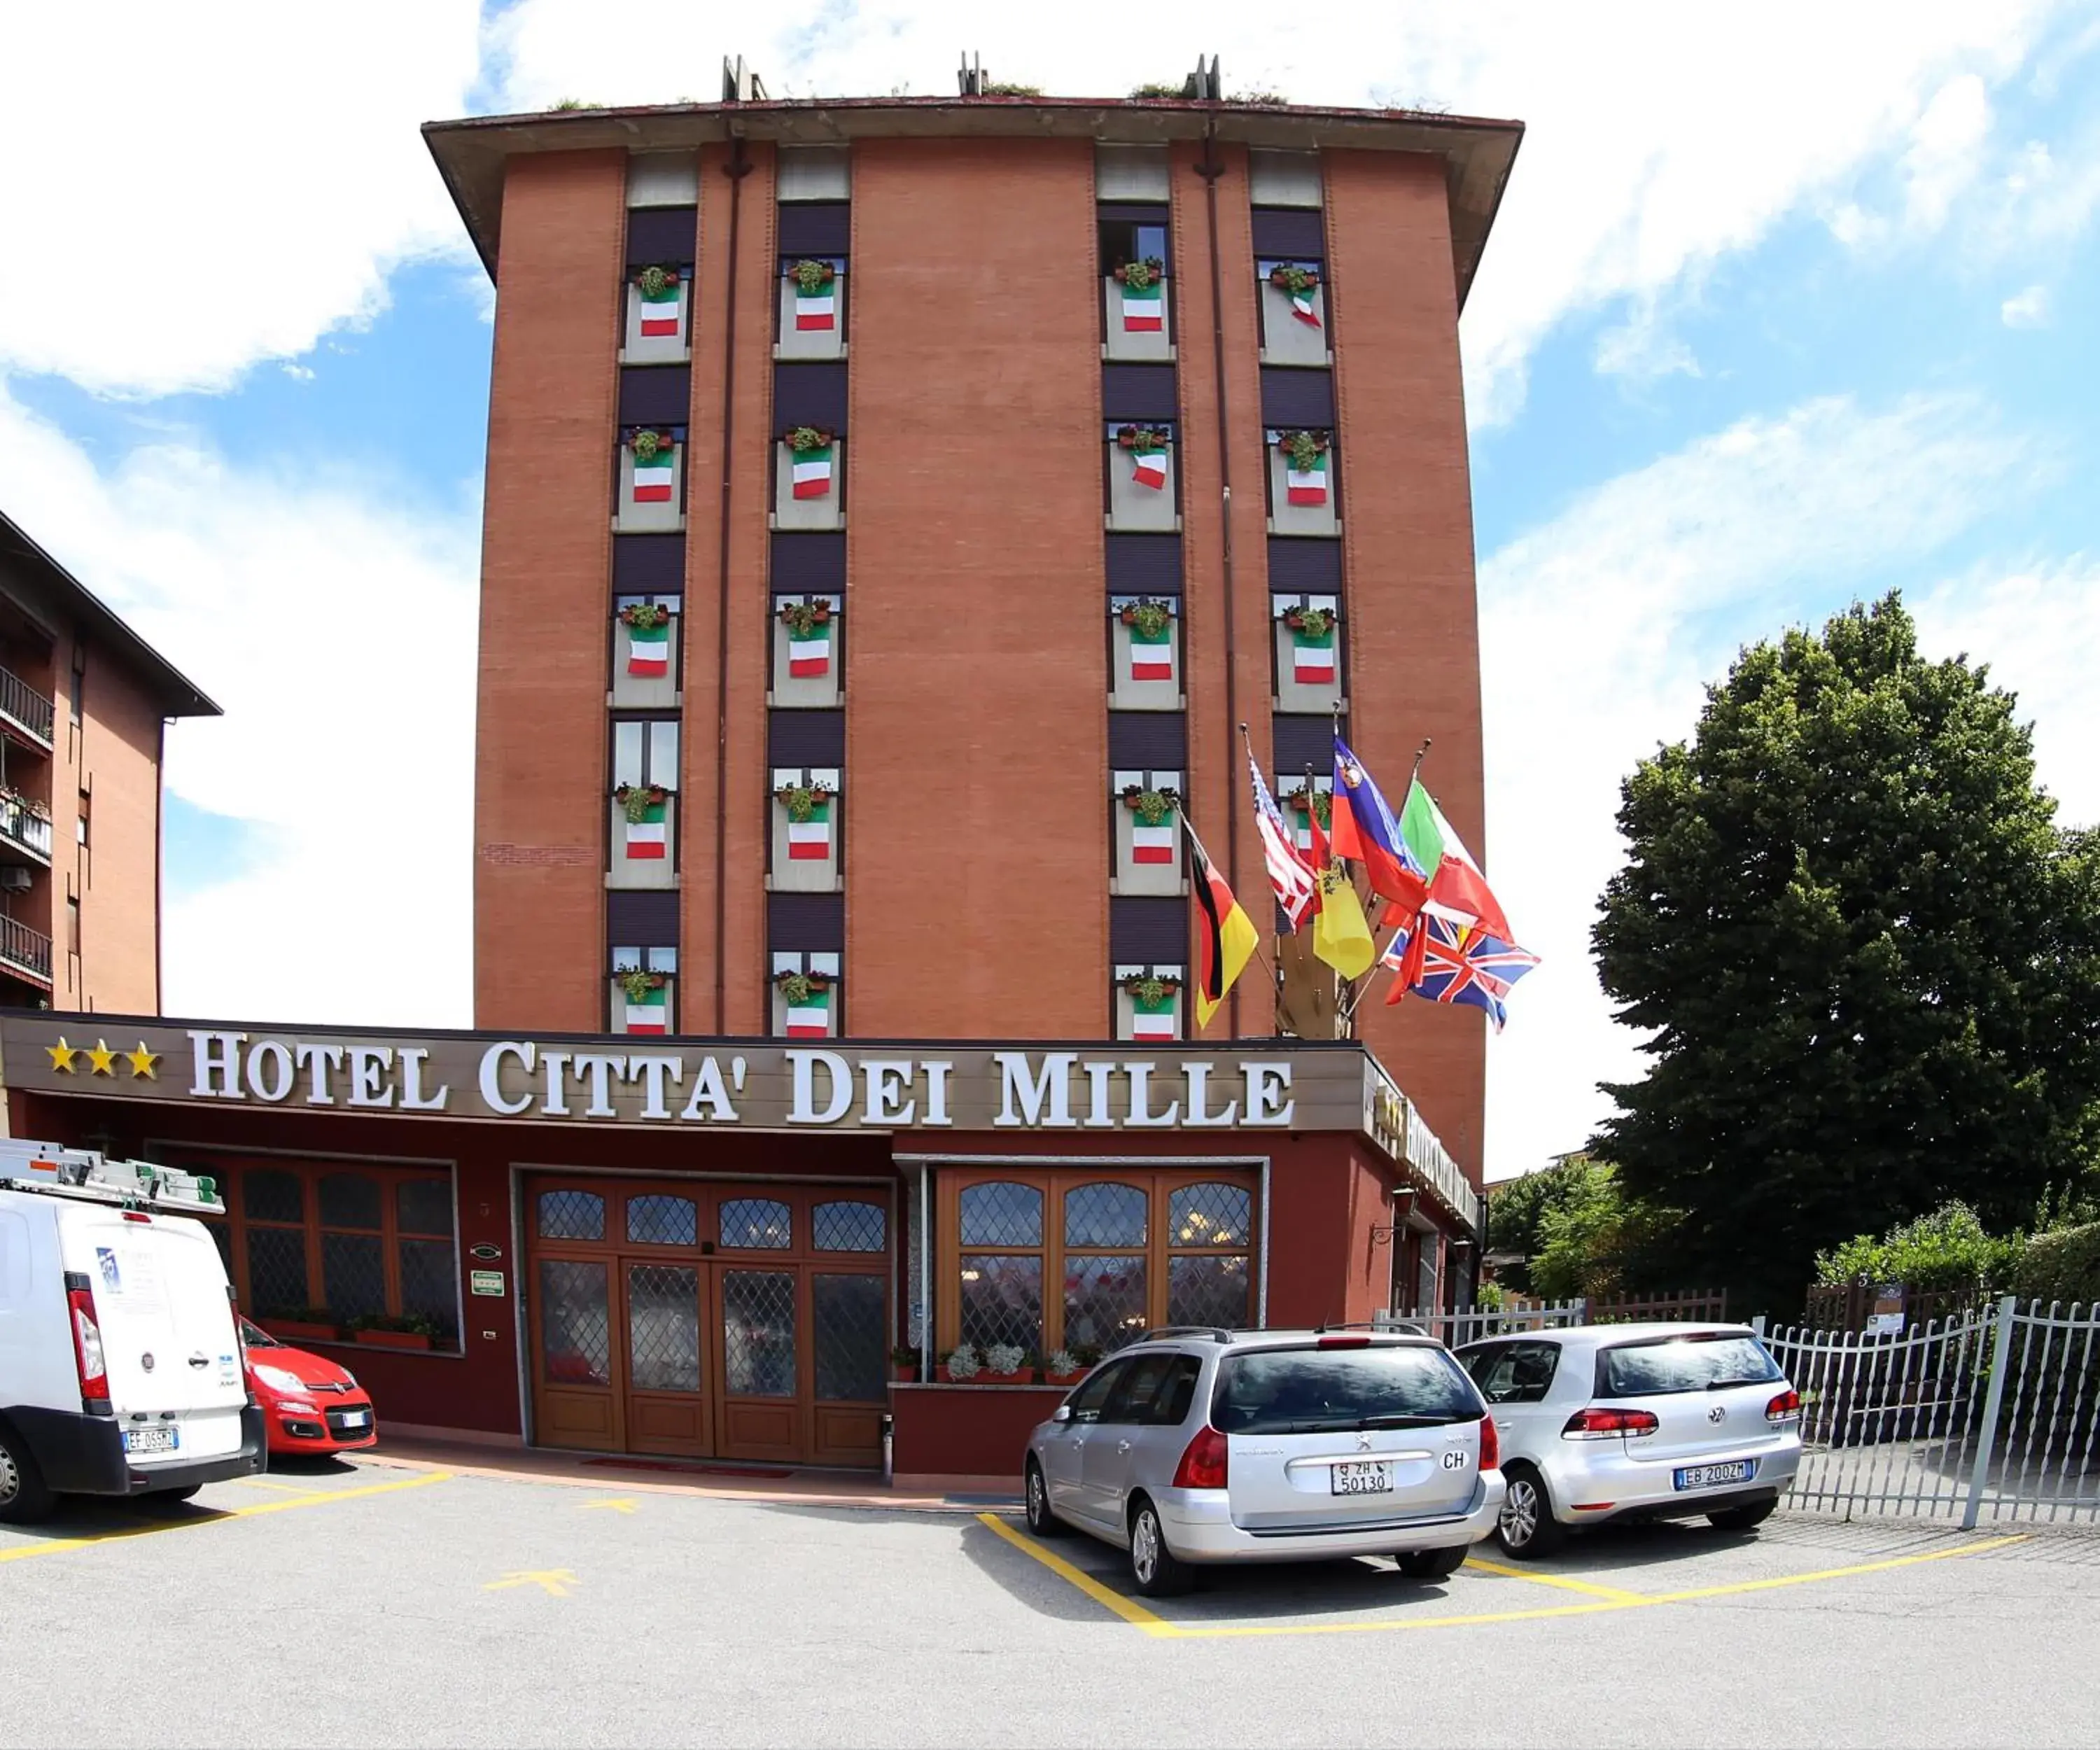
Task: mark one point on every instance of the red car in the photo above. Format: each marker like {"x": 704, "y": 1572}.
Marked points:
{"x": 309, "y": 1403}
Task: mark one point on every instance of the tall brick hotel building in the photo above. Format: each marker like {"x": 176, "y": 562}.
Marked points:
{"x": 879, "y": 492}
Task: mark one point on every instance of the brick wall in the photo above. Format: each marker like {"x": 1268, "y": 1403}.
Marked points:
{"x": 114, "y": 754}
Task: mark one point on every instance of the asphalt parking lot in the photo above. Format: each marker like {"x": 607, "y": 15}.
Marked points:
{"x": 383, "y": 1606}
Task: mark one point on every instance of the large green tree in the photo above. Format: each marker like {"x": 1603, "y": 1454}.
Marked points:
{"x": 1868, "y": 960}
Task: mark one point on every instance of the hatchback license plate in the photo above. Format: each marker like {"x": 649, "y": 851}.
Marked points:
{"x": 353, "y": 1418}
{"x": 1361, "y": 1478}
{"x": 152, "y": 1439}
{"x": 1706, "y": 1476}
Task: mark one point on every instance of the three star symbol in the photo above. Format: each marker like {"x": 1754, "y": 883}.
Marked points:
{"x": 102, "y": 1059}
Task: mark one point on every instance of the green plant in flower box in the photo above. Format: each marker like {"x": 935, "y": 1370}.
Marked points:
{"x": 801, "y": 439}
{"x": 1304, "y": 447}
{"x": 962, "y": 1362}
{"x": 648, "y": 444}
{"x": 802, "y": 618}
{"x": 411, "y": 1324}
{"x": 797, "y": 988}
{"x": 657, "y": 280}
{"x": 644, "y": 616}
{"x": 1314, "y": 622}
{"x": 637, "y": 800}
{"x": 801, "y": 800}
{"x": 1151, "y": 806}
{"x": 639, "y": 984}
{"x": 813, "y": 275}
{"x": 1148, "y": 615}
{"x": 1151, "y": 991}
{"x": 1288, "y": 276}
{"x": 1143, "y": 437}
{"x": 1140, "y": 274}
{"x": 1316, "y": 803}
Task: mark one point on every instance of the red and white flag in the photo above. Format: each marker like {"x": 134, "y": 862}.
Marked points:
{"x": 1290, "y": 875}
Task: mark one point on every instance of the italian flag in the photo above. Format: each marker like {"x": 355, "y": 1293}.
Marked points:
{"x": 1152, "y": 653}
{"x": 1151, "y": 468}
{"x": 1301, "y": 832}
{"x": 813, "y": 472}
{"x": 645, "y": 837}
{"x": 810, "y": 840}
{"x": 1151, "y": 1020}
{"x": 1306, "y": 485}
{"x": 818, "y": 308}
{"x": 811, "y": 1018}
{"x": 655, "y": 478}
{"x": 649, "y": 1012}
{"x": 1312, "y": 660}
{"x": 660, "y": 319}
{"x": 1153, "y": 844}
{"x": 810, "y": 653}
{"x": 649, "y": 649}
{"x": 1301, "y": 306}
{"x": 1143, "y": 310}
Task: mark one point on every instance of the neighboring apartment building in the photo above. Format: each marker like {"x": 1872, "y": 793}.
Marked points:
{"x": 861, "y": 530}
{"x": 83, "y": 705}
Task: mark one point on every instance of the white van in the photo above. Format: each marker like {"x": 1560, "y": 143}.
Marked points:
{"x": 122, "y": 1371}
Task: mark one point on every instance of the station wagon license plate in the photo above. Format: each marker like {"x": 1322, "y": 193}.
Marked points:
{"x": 1361, "y": 1476}
{"x": 1706, "y": 1476}
{"x": 152, "y": 1439}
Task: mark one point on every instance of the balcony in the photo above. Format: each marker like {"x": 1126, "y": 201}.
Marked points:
{"x": 25, "y": 952}
{"x": 25, "y": 833}
{"x": 26, "y": 714}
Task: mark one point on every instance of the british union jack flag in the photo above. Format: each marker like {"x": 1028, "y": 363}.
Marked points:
{"x": 1463, "y": 963}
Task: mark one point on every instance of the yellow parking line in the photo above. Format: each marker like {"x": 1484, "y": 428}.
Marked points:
{"x": 1129, "y": 1609}
{"x": 322, "y": 1498}
{"x": 1613, "y": 1595}
{"x": 1833, "y": 1573}
{"x": 284, "y": 1488}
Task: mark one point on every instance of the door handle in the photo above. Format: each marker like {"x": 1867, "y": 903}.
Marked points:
{"x": 1123, "y": 1446}
{"x": 199, "y": 1360}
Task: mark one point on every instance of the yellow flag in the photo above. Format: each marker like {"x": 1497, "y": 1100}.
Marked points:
{"x": 1341, "y": 934}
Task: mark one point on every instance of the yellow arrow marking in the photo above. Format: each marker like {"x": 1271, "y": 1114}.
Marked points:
{"x": 619, "y": 1504}
{"x": 554, "y": 1581}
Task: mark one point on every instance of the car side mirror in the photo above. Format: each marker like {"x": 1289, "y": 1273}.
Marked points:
{"x": 1063, "y": 1412}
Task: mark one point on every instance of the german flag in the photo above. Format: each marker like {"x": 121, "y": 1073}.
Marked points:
{"x": 1225, "y": 936}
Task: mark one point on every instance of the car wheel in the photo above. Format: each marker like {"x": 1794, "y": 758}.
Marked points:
{"x": 1433, "y": 1564}
{"x": 1154, "y": 1569}
{"x": 1526, "y": 1527}
{"x": 23, "y": 1499}
{"x": 1741, "y": 1519}
{"x": 1041, "y": 1521}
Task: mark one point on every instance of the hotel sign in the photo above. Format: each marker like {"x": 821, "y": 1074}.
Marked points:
{"x": 631, "y": 1079}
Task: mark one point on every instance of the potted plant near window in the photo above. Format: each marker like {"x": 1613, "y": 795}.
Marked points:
{"x": 1006, "y": 1365}
{"x": 904, "y": 1362}
{"x": 313, "y": 1325}
{"x": 387, "y": 1330}
{"x": 960, "y": 1367}
{"x": 1064, "y": 1368}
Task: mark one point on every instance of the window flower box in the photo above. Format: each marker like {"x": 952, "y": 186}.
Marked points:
{"x": 301, "y": 1330}
{"x": 388, "y": 1333}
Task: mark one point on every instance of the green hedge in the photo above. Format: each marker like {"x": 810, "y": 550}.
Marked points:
{"x": 2062, "y": 1265}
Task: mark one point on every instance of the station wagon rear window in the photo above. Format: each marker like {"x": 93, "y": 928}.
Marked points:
{"x": 1315, "y": 1391}
{"x": 1693, "y": 1362}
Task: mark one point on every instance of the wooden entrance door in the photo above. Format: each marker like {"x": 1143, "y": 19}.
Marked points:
{"x": 734, "y": 1321}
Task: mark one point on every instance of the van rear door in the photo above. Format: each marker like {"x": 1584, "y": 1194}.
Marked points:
{"x": 168, "y": 1339}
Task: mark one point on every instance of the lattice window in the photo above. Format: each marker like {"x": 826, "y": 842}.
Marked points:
{"x": 351, "y": 1200}
{"x": 663, "y": 1327}
{"x": 663, "y": 1221}
{"x": 1002, "y": 1299}
{"x": 1209, "y": 1290}
{"x": 267, "y": 1194}
{"x": 756, "y": 1224}
{"x": 1002, "y": 1214}
{"x": 1210, "y": 1214}
{"x": 850, "y": 1343}
{"x": 1105, "y": 1215}
{"x": 576, "y": 1327}
{"x": 849, "y": 1228}
{"x": 354, "y": 1273}
{"x": 758, "y": 1333}
{"x": 277, "y": 1270}
{"x": 1106, "y": 1301}
{"x": 571, "y": 1215}
{"x": 429, "y": 1283}
{"x": 424, "y": 1205}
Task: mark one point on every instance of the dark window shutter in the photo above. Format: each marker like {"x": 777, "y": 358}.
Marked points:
{"x": 1144, "y": 565}
{"x": 655, "y": 395}
{"x": 809, "y": 560}
{"x": 648, "y": 564}
{"x": 640, "y": 918}
{"x": 810, "y": 394}
{"x": 1152, "y": 741}
{"x": 1302, "y": 565}
{"x": 662, "y": 234}
{"x": 1149, "y": 931}
{"x": 1301, "y": 742}
{"x": 1134, "y": 213}
{"x": 1138, "y": 391}
{"x": 816, "y": 227}
{"x": 805, "y": 923}
{"x": 1298, "y": 397}
{"x": 1294, "y": 233}
{"x": 806, "y": 737}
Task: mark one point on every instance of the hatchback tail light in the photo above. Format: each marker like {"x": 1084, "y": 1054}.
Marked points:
{"x": 1203, "y": 1464}
{"x": 1785, "y": 1408}
{"x": 1597, "y": 1424}
{"x": 1491, "y": 1445}
{"x": 87, "y": 1343}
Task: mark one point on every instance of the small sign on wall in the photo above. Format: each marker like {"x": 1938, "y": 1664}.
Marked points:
{"x": 485, "y": 1282}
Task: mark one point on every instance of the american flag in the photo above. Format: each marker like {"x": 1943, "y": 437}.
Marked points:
{"x": 1461, "y": 963}
{"x": 1288, "y": 873}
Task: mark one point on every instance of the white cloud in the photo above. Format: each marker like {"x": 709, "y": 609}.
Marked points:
{"x": 1599, "y": 629}
{"x": 191, "y": 190}
{"x": 2025, "y": 310}
{"x": 336, "y": 631}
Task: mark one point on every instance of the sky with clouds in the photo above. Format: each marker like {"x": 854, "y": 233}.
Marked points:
{"x": 1783, "y": 307}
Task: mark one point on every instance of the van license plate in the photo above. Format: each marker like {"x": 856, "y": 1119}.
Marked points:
{"x": 1359, "y": 1477}
{"x": 152, "y": 1439}
{"x": 1706, "y": 1476}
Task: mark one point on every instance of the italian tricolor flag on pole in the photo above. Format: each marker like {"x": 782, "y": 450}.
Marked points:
{"x": 650, "y": 1012}
{"x": 1144, "y": 310}
{"x": 811, "y": 1018}
{"x": 1312, "y": 658}
{"x": 810, "y": 840}
{"x": 1152, "y": 653}
{"x": 1301, "y": 830}
{"x": 1151, "y": 467}
{"x": 655, "y": 476}
{"x": 818, "y": 308}
{"x": 813, "y": 472}
{"x": 659, "y": 311}
{"x": 1301, "y": 306}
{"x": 1153, "y": 1020}
{"x": 649, "y": 649}
{"x": 646, "y": 837}
{"x": 1153, "y": 844}
{"x": 1306, "y": 485}
{"x": 810, "y": 653}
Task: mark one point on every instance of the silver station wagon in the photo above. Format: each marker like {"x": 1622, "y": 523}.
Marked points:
{"x": 1197, "y": 1446}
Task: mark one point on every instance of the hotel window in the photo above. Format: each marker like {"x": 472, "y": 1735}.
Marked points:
{"x": 1089, "y": 1259}
{"x": 327, "y": 1243}
{"x": 645, "y": 751}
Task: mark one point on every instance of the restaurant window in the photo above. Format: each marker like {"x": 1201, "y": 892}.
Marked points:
{"x": 328, "y": 1242}
{"x": 1089, "y": 1260}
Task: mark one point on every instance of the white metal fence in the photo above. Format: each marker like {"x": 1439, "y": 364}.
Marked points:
{"x": 1988, "y": 1416}
{"x": 1515, "y": 1318}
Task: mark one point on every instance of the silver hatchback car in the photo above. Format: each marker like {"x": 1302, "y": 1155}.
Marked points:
{"x": 1195, "y": 1446}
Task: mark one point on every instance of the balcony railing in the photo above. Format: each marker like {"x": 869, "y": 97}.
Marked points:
{"x": 20, "y": 827}
{"x": 26, "y": 950}
{"x": 25, "y": 708}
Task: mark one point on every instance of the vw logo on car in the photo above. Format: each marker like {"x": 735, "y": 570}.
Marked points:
{"x": 1719, "y": 1413}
